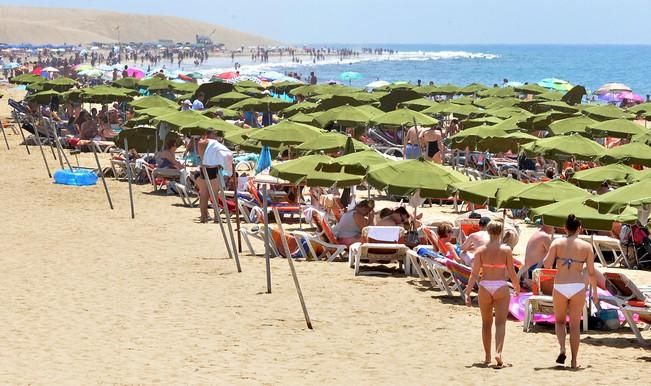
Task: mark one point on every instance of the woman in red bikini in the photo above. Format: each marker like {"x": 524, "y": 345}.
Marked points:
{"x": 495, "y": 262}
{"x": 570, "y": 255}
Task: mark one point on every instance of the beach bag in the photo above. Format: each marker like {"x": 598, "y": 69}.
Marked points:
{"x": 609, "y": 319}
{"x": 412, "y": 237}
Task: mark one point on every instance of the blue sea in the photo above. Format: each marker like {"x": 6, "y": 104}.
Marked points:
{"x": 587, "y": 65}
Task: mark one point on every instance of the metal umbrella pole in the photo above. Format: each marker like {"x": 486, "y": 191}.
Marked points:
{"x": 20, "y": 129}
{"x": 267, "y": 256}
{"x": 100, "y": 171}
{"x": 222, "y": 186}
{"x": 290, "y": 261}
{"x": 128, "y": 166}
{"x": 62, "y": 154}
{"x": 40, "y": 146}
{"x": 206, "y": 178}
{"x": 2, "y": 127}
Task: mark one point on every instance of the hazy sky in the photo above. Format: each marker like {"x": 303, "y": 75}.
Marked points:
{"x": 405, "y": 21}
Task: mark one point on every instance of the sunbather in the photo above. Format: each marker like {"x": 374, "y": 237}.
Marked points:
{"x": 166, "y": 158}
{"x": 495, "y": 262}
{"x": 474, "y": 241}
{"x": 445, "y": 247}
{"x": 570, "y": 255}
{"x": 349, "y": 229}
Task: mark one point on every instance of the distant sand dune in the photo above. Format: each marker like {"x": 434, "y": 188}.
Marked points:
{"x": 75, "y": 26}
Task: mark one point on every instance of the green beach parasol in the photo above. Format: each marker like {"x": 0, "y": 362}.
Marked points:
{"x": 285, "y": 132}
{"x": 228, "y": 98}
{"x": 329, "y": 142}
{"x": 556, "y": 215}
{"x": 403, "y": 117}
{"x": 634, "y": 195}
{"x": 539, "y": 194}
{"x": 418, "y": 104}
{"x": 295, "y": 171}
{"x": 564, "y": 147}
{"x": 606, "y": 112}
{"x": 128, "y": 82}
{"x": 635, "y": 153}
{"x": 153, "y": 101}
{"x": 303, "y": 107}
{"x": 43, "y": 97}
{"x": 344, "y": 116}
{"x": 470, "y": 137}
{"x": 571, "y": 125}
{"x": 594, "y": 177}
{"x": 620, "y": 128}
{"x": 503, "y": 143}
{"x": 484, "y": 192}
{"x": 105, "y": 94}
{"x": 59, "y": 84}
{"x": 407, "y": 176}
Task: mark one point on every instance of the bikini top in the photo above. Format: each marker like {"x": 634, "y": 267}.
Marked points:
{"x": 569, "y": 261}
{"x": 493, "y": 265}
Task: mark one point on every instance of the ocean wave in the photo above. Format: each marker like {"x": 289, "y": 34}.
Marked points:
{"x": 221, "y": 65}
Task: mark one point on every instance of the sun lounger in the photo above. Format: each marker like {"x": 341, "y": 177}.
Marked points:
{"x": 428, "y": 264}
{"x": 378, "y": 244}
{"x": 323, "y": 238}
{"x": 542, "y": 302}
{"x": 629, "y": 299}
{"x": 603, "y": 244}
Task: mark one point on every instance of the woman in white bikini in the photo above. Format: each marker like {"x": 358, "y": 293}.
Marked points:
{"x": 570, "y": 255}
{"x": 495, "y": 262}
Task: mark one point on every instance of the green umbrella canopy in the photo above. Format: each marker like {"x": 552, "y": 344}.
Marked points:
{"x": 571, "y": 125}
{"x": 634, "y": 195}
{"x": 503, "y": 143}
{"x": 447, "y": 89}
{"x": 286, "y": 132}
{"x": 606, "y": 112}
{"x": 501, "y": 92}
{"x": 211, "y": 89}
{"x": 644, "y": 108}
{"x": 154, "y": 112}
{"x": 295, "y": 171}
{"x": 153, "y": 101}
{"x": 327, "y": 102}
{"x": 181, "y": 118}
{"x": 620, "y": 128}
{"x": 359, "y": 162}
{"x": 594, "y": 177}
{"x": 470, "y": 137}
{"x": 482, "y": 192}
{"x": 532, "y": 89}
{"x": 59, "y": 84}
{"x": 223, "y": 113}
{"x": 138, "y": 121}
{"x": 483, "y": 121}
{"x": 462, "y": 111}
{"x": 128, "y": 82}
{"x": 509, "y": 112}
{"x": 550, "y": 96}
{"x": 640, "y": 175}
{"x": 403, "y": 117}
{"x": 228, "y": 98}
{"x": 303, "y": 107}
{"x": 370, "y": 110}
{"x": 142, "y": 139}
{"x": 185, "y": 87}
{"x": 496, "y": 102}
{"x": 315, "y": 89}
{"x": 252, "y": 92}
{"x": 558, "y": 106}
{"x": 339, "y": 179}
{"x": 563, "y": 147}
{"x": 556, "y": 215}
{"x": 635, "y": 153}
{"x": 642, "y": 138}
{"x": 36, "y": 86}
{"x": 43, "y": 97}
{"x": 286, "y": 85}
{"x": 329, "y": 142}
{"x": 472, "y": 88}
{"x": 105, "y": 94}
{"x": 390, "y": 101}
{"x": 510, "y": 124}
{"x": 307, "y": 119}
{"x": 464, "y": 100}
{"x": 405, "y": 177}
{"x": 343, "y": 115}
{"x": 249, "y": 84}
{"x": 539, "y": 194}
{"x": 266, "y": 103}
{"x": 155, "y": 84}
{"x": 72, "y": 95}
{"x": 28, "y": 78}
{"x": 418, "y": 104}
{"x": 218, "y": 125}
{"x": 428, "y": 89}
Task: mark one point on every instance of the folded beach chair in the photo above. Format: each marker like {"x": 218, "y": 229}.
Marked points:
{"x": 629, "y": 299}
{"x": 323, "y": 241}
{"x": 283, "y": 207}
{"x": 379, "y": 244}
{"x": 430, "y": 265}
{"x": 542, "y": 302}
{"x": 460, "y": 275}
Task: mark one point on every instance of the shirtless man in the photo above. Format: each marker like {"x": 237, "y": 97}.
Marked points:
{"x": 411, "y": 143}
{"x": 431, "y": 143}
{"x": 474, "y": 241}
{"x": 537, "y": 248}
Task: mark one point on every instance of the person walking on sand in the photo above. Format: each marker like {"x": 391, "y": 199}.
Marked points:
{"x": 431, "y": 143}
{"x": 411, "y": 145}
{"x": 571, "y": 256}
{"x": 214, "y": 156}
{"x": 495, "y": 261}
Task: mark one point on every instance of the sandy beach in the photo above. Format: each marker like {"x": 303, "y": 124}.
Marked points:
{"x": 93, "y": 297}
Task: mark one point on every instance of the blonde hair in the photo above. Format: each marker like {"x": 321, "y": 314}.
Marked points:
{"x": 494, "y": 229}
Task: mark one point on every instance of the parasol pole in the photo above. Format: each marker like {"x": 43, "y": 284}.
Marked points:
{"x": 290, "y": 261}
{"x": 40, "y": 146}
{"x": 100, "y": 171}
{"x": 216, "y": 210}
{"x": 222, "y": 196}
{"x": 62, "y": 154}
{"x": 267, "y": 256}
{"x": 237, "y": 213}
{"x": 2, "y": 127}
{"x": 20, "y": 129}
{"x": 128, "y": 167}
